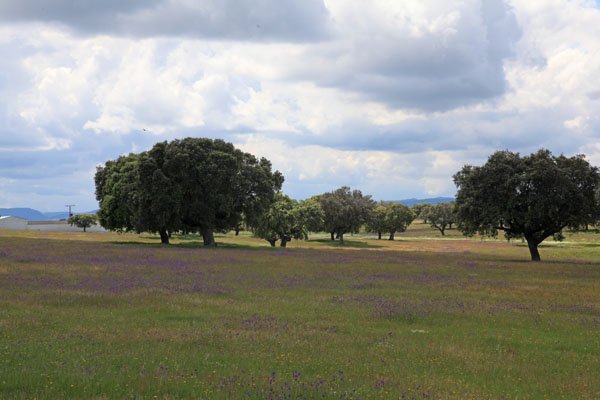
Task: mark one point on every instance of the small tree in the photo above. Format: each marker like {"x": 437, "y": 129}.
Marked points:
{"x": 418, "y": 209}
{"x": 397, "y": 218}
{"x": 534, "y": 196}
{"x": 441, "y": 216}
{"x": 83, "y": 220}
{"x": 282, "y": 221}
{"x": 377, "y": 222}
{"x": 424, "y": 212}
{"x": 310, "y": 214}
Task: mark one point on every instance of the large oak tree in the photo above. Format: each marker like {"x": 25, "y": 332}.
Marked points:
{"x": 532, "y": 197}
{"x": 191, "y": 185}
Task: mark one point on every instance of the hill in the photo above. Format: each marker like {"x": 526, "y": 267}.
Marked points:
{"x": 27, "y": 213}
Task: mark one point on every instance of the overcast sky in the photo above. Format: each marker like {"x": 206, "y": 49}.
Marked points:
{"x": 390, "y": 97}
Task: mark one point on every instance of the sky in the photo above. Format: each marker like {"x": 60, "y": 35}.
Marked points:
{"x": 389, "y": 97}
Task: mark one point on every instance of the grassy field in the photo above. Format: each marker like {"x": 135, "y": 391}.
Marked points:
{"x": 108, "y": 316}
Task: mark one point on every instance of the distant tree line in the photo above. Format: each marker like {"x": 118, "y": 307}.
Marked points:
{"x": 206, "y": 186}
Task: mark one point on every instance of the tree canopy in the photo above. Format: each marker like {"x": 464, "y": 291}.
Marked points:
{"x": 377, "y": 222}
{"x": 83, "y": 220}
{"x": 390, "y": 217}
{"x": 192, "y": 185}
{"x": 533, "y": 196}
{"x": 288, "y": 219}
{"x": 420, "y": 209}
{"x": 441, "y": 216}
{"x": 345, "y": 211}
{"x": 397, "y": 218}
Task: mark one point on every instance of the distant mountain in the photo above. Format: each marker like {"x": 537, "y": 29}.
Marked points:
{"x": 35, "y": 215}
{"x": 27, "y": 213}
{"x": 434, "y": 200}
{"x": 56, "y": 215}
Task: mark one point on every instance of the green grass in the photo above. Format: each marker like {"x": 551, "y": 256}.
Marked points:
{"x": 122, "y": 316}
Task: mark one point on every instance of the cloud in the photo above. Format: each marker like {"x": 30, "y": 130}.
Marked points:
{"x": 388, "y": 97}
{"x": 282, "y": 20}
{"x": 428, "y": 56}
{"x": 311, "y": 170}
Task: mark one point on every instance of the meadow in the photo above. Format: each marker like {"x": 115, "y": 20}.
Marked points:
{"x": 109, "y": 316}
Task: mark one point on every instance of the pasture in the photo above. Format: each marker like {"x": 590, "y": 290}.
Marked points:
{"x": 108, "y": 316}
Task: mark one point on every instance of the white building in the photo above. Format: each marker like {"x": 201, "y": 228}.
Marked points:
{"x": 10, "y": 222}
{"x": 60, "y": 226}
{"x": 17, "y": 223}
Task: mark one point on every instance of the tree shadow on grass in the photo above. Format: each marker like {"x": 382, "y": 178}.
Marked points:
{"x": 347, "y": 243}
{"x": 503, "y": 261}
{"x": 195, "y": 245}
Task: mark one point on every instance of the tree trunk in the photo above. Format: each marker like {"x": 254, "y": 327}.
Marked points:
{"x": 341, "y": 236}
{"x": 208, "y": 236}
{"x": 533, "y": 249}
{"x": 84, "y": 229}
{"x": 164, "y": 237}
{"x": 441, "y": 229}
{"x": 379, "y": 235}
{"x": 284, "y": 241}
{"x": 392, "y": 233}
{"x": 332, "y": 235}
{"x": 237, "y": 230}
{"x": 272, "y": 241}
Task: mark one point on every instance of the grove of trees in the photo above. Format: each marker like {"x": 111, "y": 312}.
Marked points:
{"x": 391, "y": 218}
{"x": 207, "y": 186}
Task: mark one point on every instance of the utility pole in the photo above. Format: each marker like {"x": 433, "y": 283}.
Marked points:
{"x": 70, "y": 205}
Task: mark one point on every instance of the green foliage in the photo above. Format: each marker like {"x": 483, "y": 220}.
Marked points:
{"x": 83, "y": 220}
{"x": 115, "y": 192}
{"x": 397, "y": 218}
{"x": 288, "y": 219}
{"x": 311, "y": 214}
{"x": 345, "y": 211}
{"x": 441, "y": 216}
{"x": 185, "y": 185}
{"x": 534, "y": 196}
{"x": 279, "y": 222}
{"x": 377, "y": 222}
{"x": 419, "y": 208}
{"x": 390, "y": 217}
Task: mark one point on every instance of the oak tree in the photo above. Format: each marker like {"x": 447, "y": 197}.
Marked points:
{"x": 192, "y": 185}
{"x": 441, "y": 216}
{"x": 533, "y": 197}
{"x": 345, "y": 211}
{"x": 83, "y": 220}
